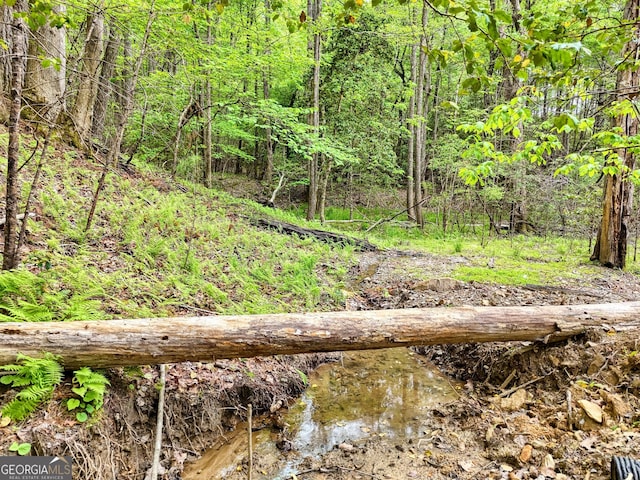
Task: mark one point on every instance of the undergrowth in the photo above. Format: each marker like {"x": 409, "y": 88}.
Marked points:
{"x": 38, "y": 377}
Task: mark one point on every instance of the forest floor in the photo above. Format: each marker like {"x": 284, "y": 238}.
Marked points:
{"x": 512, "y": 419}
{"x": 492, "y": 430}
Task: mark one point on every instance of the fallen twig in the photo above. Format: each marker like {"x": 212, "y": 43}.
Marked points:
{"x": 525, "y": 384}
{"x": 159, "y": 424}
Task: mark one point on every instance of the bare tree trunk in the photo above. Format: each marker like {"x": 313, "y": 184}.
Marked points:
{"x": 82, "y": 112}
{"x": 411, "y": 193}
{"x": 325, "y": 173}
{"x": 44, "y": 87}
{"x": 207, "y": 133}
{"x": 105, "y": 87}
{"x": 112, "y": 343}
{"x": 6, "y": 35}
{"x": 266, "y": 79}
{"x": 19, "y": 41}
{"x": 420, "y": 129}
{"x": 314, "y": 14}
{"x": 611, "y": 243}
{"x": 123, "y": 118}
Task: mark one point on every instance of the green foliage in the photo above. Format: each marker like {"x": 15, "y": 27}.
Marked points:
{"x": 89, "y": 388}
{"x": 20, "y": 448}
{"x": 37, "y": 377}
{"x": 27, "y": 297}
{"x": 304, "y": 377}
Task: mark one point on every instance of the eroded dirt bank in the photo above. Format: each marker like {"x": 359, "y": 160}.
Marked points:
{"x": 492, "y": 430}
{"x": 524, "y": 411}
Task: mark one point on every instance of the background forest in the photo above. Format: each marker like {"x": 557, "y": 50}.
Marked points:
{"x": 496, "y": 115}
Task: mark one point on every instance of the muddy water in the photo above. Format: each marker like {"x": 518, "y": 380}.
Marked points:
{"x": 384, "y": 393}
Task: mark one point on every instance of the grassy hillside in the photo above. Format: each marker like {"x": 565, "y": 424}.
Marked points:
{"x": 156, "y": 248}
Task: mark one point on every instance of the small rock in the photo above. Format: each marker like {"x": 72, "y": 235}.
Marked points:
{"x": 275, "y": 406}
{"x": 619, "y": 407}
{"x": 547, "y": 472}
{"x": 284, "y": 445}
{"x": 525, "y": 453}
{"x": 549, "y": 462}
{"x": 439, "y": 285}
{"x": 515, "y": 401}
{"x": 596, "y": 364}
{"x": 592, "y": 410}
{"x": 466, "y": 465}
{"x": 346, "y": 447}
{"x": 489, "y": 435}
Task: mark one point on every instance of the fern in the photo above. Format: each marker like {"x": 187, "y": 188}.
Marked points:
{"x": 24, "y": 297}
{"x": 90, "y": 389}
{"x": 39, "y": 376}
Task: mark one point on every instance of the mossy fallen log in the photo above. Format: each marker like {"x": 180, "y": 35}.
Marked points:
{"x": 112, "y": 343}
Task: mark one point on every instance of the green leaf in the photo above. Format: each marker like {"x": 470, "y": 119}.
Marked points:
{"x": 503, "y": 16}
{"x": 73, "y": 403}
{"x": 80, "y": 391}
{"x": 21, "y": 448}
{"x": 82, "y": 417}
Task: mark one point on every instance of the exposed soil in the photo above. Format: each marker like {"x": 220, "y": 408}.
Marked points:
{"x": 493, "y": 430}
{"x": 524, "y": 411}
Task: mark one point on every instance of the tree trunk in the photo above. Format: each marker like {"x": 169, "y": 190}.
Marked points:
{"x": 6, "y": 35}
{"x": 611, "y": 244}
{"x": 314, "y": 14}
{"x": 112, "y": 343}
{"x": 44, "y": 87}
{"x": 19, "y": 41}
{"x": 105, "y": 89}
{"x": 266, "y": 80}
{"x": 325, "y": 173}
{"x": 207, "y": 133}
{"x": 411, "y": 193}
{"x": 420, "y": 129}
{"x": 123, "y": 118}
{"x": 82, "y": 113}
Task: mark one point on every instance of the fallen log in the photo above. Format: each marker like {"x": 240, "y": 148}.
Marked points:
{"x": 322, "y": 235}
{"x": 111, "y": 343}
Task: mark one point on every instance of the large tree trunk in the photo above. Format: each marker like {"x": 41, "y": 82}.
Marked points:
{"x": 111, "y": 343}
{"x": 88, "y": 87}
{"x": 611, "y": 244}
{"x": 44, "y": 87}
{"x": 19, "y": 41}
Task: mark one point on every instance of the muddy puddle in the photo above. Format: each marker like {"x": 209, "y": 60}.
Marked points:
{"x": 382, "y": 393}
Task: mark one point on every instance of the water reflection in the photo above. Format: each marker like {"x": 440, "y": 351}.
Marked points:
{"x": 380, "y": 392}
